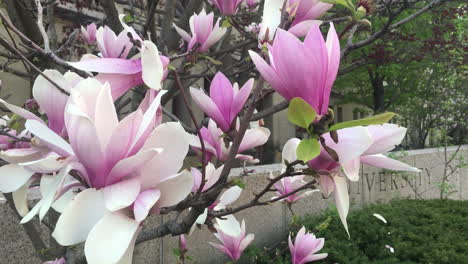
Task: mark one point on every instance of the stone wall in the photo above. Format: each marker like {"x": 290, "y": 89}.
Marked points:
{"x": 270, "y": 223}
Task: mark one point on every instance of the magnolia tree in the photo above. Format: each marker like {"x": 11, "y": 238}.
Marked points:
{"x": 101, "y": 173}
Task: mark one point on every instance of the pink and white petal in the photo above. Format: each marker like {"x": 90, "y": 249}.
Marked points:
{"x": 152, "y": 67}
{"x": 326, "y": 185}
{"x": 49, "y": 138}
{"x": 381, "y": 161}
{"x": 49, "y": 164}
{"x": 51, "y": 188}
{"x": 289, "y": 150}
{"x": 33, "y": 212}
{"x": 129, "y": 165}
{"x": 254, "y": 138}
{"x": 247, "y": 158}
{"x": 385, "y": 137}
{"x": 230, "y": 195}
{"x": 175, "y": 189}
{"x": 240, "y": 98}
{"x": 20, "y": 199}
{"x": 333, "y": 51}
{"x": 120, "y": 83}
{"x": 185, "y": 36}
{"x": 246, "y": 241}
{"x": 352, "y": 142}
{"x": 79, "y": 217}
{"x": 20, "y": 111}
{"x": 110, "y": 238}
{"x": 121, "y": 194}
{"x": 342, "y": 199}
{"x": 144, "y": 202}
{"x": 13, "y": 176}
{"x": 207, "y": 105}
{"x": 61, "y": 203}
{"x": 105, "y": 116}
{"x": 109, "y": 65}
{"x": 271, "y": 18}
{"x": 171, "y": 159}
{"x": 265, "y": 70}
{"x": 229, "y": 225}
{"x": 51, "y": 100}
{"x": 351, "y": 169}
{"x": 146, "y": 124}
{"x": 315, "y": 257}
{"x": 215, "y": 36}
{"x": 127, "y": 258}
{"x": 301, "y": 29}
{"x": 21, "y": 155}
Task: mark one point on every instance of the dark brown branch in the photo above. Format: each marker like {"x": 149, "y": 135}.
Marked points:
{"x": 112, "y": 16}
{"x": 271, "y": 110}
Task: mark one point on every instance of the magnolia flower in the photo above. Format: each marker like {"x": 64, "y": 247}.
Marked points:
{"x": 129, "y": 166}
{"x": 303, "y": 10}
{"x": 112, "y": 46}
{"x": 305, "y": 246}
{"x": 232, "y": 236}
{"x": 302, "y": 69}
{"x": 225, "y": 100}
{"x": 203, "y": 32}
{"x": 226, "y": 7}
{"x": 356, "y": 145}
{"x": 56, "y": 261}
{"x": 123, "y": 74}
{"x": 289, "y": 184}
{"x": 271, "y": 19}
{"x": 89, "y": 33}
{"x": 251, "y": 3}
{"x": 215, "y": 145}
{"x": 212, "y": 176}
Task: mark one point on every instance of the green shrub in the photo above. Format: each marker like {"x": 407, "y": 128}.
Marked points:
{"x": 431, "y": 232}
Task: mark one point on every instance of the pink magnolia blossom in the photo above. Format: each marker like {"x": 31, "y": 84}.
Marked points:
{"x": 271, "y": 19}
{"x": 232, "y": 236}
{"x": 289, "y": 184}
{"x": 123, "y": 74}
{"x": 251, "y": 3}
{"x": 56, "y": 261}
{"x": 204, "y": 33}
{"x": 305, "y": 246}
{"x": 226, "y": 7}
{"x": 356, "y": 145}
{"x": 212, "y": 176}
{"x": 89, "y": 33}
{"x": 215, "y": 146}
{"x": 112, "y": 46}
{"x": 225, "y": 100}
{"x": 118, "y": 164}
{"x": 302, "y": 69}
{"x": 303, "y": 10}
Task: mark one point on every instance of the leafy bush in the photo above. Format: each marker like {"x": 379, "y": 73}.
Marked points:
{"x": 431, "y": 231}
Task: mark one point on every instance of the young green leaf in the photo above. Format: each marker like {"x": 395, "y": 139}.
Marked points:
{"x": 372, "y": 120}
{"x": 308, "y": 149}
{"x": 300, "y": 113}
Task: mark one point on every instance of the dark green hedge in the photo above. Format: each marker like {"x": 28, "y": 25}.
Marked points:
{"x": 431, "y": 231}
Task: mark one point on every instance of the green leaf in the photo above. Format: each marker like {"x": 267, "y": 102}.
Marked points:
{"x": 308, "y": 149}
{"x": 176, "y": 252}
{"x": 372, "y": 120}
{"x": 226, "y": 23}
{"x": 239, "y": 183}
{"x": 128, "y": 18}
{"x": 300, "y": 113}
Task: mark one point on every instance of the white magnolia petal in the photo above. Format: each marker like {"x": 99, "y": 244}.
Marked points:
{"x": 380, "y": 217}
{"x": 61, "y": 203}
{"x": 381, "y": 161}
{"x": 271, "y": 18}
{"x": 121, "y": 194}
{"x": 229, "y": 225}
{"x": 175, "y": 189}
{"x": 79, "y": 217}
{"x": 20, "y": 199}
{"x": 230, "y": 195}
{"x": 51, "y": 190}
{"x": 289, "y": 150}
{"x": 12, "y": 177}
{"x": 351, "y": 168}
{"x": 110, "y": 238}
{"x": 342, "y": 199}
{"x": 47, "y": 136}
{"x": 152, "y": 67}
